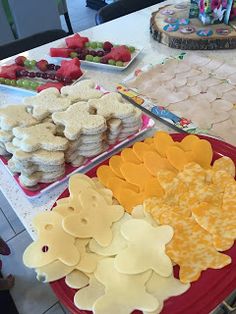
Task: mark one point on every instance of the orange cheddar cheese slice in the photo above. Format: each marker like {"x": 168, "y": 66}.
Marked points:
{"x": 162, "y": 141}
{"x": 154, "y": 162}
{"x": 141, "y": 148}
{"x": 128, "y": 154}
{"x": 202, "y": 153}
{"x": 135, "y": 174}
{"x": 115, "y": 163}
{"x": 177, "y": 157}
{"x": 129, "y": 199}
{"x": 187, "y": 142}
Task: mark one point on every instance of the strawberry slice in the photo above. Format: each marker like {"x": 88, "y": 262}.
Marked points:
{"x": 57, "y": 85}
{"x": 10, "y": 71}
{"x": 76, "y": 41}
{"x": 120, "y": 53}
{"x": 60, "y": 52}
{"x": 70, "y": 69}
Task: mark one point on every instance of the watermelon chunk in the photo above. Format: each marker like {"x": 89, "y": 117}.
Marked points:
{"x": 120, "y": 53}
{"x": 60, "y": 52}
{"x": 76, "y": 41}
{"x": 57, "y": 85}
{"x": 70, "y": 69}
{"x": 10, "y": 71}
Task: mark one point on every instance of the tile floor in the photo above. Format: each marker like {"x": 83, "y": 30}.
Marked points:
{"x": 29, "y": 295}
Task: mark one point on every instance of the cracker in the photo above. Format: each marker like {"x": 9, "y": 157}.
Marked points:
{"x": 146, "y": 248}
{"x": 5, "y": 136}
{"x": 78, "y": 161}
{"x": 114, "y": 125}
{"x": 112, "y": 105}
{"x": 48, "y": 247}
{"x": 93, "y": 152}
{"x": 15, "y": 115}
{"x": 82, "y": 90}
{"x": 89, "y": 138}
{"x": 77, "y": 120}
{"x": 15, "y": 166}
{"x": 115, "y": 300}
{"x": 41, "y": 156}
{"x": 40, "y": 177}
{"x": 47, "y": 102}
{"x": 41, "y": 136}
{"x": 136, "y": 117}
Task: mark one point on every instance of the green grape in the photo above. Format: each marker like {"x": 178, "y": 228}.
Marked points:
{"x": 26, "y": 83}
{"x": 13, "y": 82}
{"x": 87, "y": 44}
{"x": 2, "y": 80}
{"x": 73, "y": 54}
{"x": 8, "y": 81}
{"x": 93, "y": 45}
{"x": 96, "y": 59}
{"x": 34, "y": 85}
{"x": 119, "y": 63}
{"x": 27, "y": 63}
{"x": 19, "y": 83}
{"x": 33, "y": 63}
{"x": 99, "y": 44}
{"x": 131, "y": 49}
{"x": 111, "y": 62}
{"x": 89, "y": 58}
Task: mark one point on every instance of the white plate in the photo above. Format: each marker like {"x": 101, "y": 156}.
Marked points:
{"x": 57, "y": 60}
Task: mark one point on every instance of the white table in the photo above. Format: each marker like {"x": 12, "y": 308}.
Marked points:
{"x": 132, "y": 29}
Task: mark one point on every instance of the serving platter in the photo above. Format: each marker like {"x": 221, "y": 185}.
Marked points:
{"x": 35, "y": 192}
{"x": 206, "y": 293}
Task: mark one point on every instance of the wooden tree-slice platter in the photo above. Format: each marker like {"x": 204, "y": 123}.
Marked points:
{"x": 190, "y": 41}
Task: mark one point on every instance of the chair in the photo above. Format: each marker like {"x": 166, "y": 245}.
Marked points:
{"x": 120, "y": 8}
{"x": 6, "y": 34}
{"x": 63, "y": 10}
{"x": 31, "y": 16}
{"x": 27, "y": 43}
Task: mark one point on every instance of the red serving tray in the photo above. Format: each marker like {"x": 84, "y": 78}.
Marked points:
{"x": 206, "y": 293}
